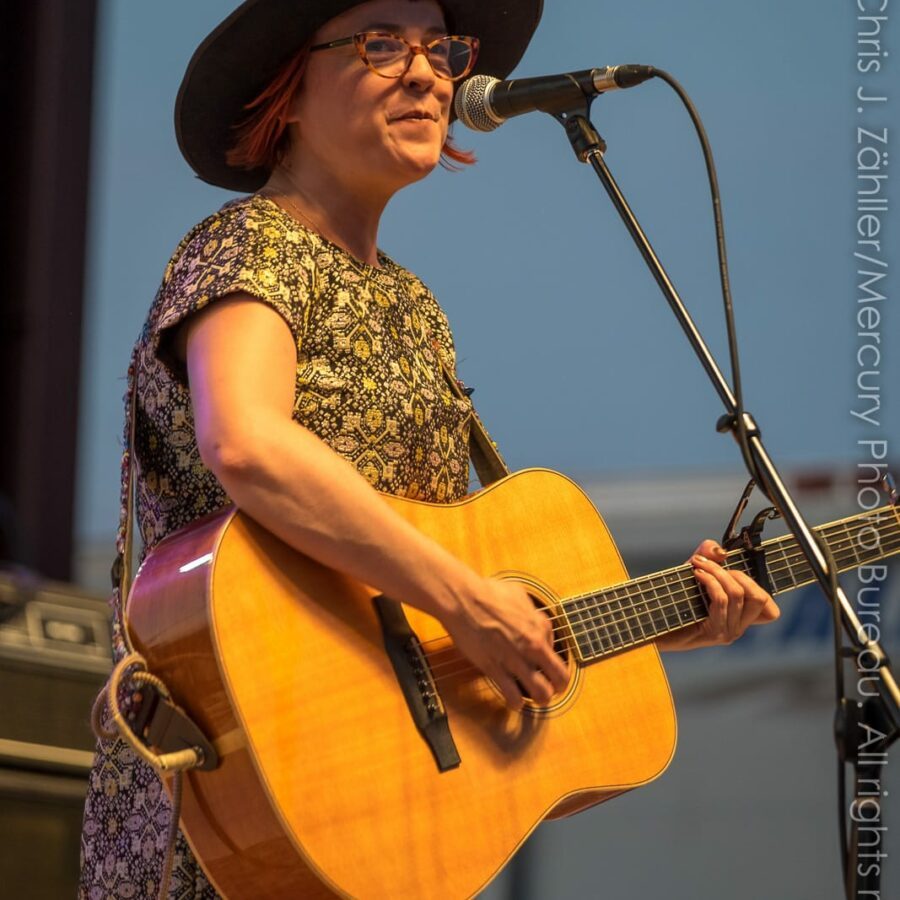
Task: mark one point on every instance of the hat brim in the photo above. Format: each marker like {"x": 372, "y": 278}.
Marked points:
{"x": 245, "y": 52}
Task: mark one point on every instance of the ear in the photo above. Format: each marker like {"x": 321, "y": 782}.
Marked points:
{"x": 292, "y": 115}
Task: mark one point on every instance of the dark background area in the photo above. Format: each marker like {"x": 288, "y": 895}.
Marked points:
{"x": 47, "y": 63}
{"x": 45, "y": 102}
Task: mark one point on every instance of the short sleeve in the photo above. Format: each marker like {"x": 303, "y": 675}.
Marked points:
{"x": 245, "y": 247}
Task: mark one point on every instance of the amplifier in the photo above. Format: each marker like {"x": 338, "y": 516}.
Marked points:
{"x": 54, "y": 658}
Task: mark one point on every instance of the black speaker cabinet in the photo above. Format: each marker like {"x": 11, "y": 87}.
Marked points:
{"x": 54, "y": 657}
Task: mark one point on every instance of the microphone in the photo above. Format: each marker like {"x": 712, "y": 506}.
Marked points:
{"x": 484, "y": 103}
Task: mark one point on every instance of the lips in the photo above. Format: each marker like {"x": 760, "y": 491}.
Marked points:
{"x": 415, "y": 115}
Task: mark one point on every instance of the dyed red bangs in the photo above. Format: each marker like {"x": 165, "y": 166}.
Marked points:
{"x": 263, "y": 140}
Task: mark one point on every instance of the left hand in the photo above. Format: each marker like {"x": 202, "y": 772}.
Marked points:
{"x": 735, "y": 603}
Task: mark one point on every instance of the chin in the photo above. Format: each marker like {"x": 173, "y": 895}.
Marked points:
{"x": 427, "y": 165}
{"x": 415, "y": 165}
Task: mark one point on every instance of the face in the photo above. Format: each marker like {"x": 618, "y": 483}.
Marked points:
{"x": 373, "y": 134}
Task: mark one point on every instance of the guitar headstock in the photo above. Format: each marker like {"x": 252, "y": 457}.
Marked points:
{"x": 890, "y": 488}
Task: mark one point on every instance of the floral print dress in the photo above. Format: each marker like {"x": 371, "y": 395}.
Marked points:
{"x": 371, "y": 343}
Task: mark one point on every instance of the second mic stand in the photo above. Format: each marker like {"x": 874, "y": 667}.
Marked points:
{"x": 881, "y": 712}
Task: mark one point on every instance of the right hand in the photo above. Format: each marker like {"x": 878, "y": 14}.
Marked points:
{"x": 498, "y": 628}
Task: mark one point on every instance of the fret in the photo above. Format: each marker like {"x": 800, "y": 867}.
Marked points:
{"x": 891, "y": 528}
{"x": 841, "y": 542}
{"x": 887, "y": 530}
{"x": 656, "y": 609}
{"x": 619, "y": 615}
{"x": 853, "y": 546}
{"x": 637, "y": 622}
{"x": 844, "y": 545}
{"x": 641, "y": 615}
{"x": 697, "y": 600}
{"x": 666, "y": 612}
{"x": 792, "y": 570}
{"x": 788, "y": 567}
{"x": 635, "y": 626}
{"x": 594, "y": 626}
{"x": 671, "y": 587}
{"x": 681, "y": 604}
{"x": 684, "y": 605}
{"x": 871, "y": 550}
{"x": 627, "y": 614}
{"x": 601, "y": 623}
{"x": 585, "y": 635}
{"x": 737, "y": 560}
{"x": 635, "y": 613}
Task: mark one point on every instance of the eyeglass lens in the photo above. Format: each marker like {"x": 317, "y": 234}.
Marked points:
{"x": 449, "y": 57}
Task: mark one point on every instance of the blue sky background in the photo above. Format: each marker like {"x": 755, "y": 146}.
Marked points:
{"x": 577, "y": 361}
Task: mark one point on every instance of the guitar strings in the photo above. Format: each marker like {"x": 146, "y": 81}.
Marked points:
{"x": 448, "y": 662}
{"x": 775, "y": 569}
{"x": 788, "y": 561}
{"x": 690, "y": 590}
{"x": 735, "y": 559}
{"x": 451, "y": 667}
{"x": 687, "y": 589}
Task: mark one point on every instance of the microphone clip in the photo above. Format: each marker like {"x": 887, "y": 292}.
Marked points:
{"x": 584, "y": 138}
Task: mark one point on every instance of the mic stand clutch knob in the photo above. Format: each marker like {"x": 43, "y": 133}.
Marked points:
{"x": 583, "y": 137}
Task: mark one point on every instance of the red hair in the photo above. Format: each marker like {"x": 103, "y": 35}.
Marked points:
{"x": 263, "y": 139}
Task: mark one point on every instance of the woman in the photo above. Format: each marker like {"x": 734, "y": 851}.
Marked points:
{"x": 289, "y": 367}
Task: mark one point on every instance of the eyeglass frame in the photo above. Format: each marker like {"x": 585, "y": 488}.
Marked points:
{"x": 359, "y": 39}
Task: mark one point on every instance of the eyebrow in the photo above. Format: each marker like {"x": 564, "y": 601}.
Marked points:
{"x": 394, "y": 28}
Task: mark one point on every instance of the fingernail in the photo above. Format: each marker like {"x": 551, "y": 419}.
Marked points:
{"x": 701, "y": 558}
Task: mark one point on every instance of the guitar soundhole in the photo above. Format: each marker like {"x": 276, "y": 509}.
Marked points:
{"x": 560, "y": 645}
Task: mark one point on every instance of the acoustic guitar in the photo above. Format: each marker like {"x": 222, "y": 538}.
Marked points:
{"x": 360, "y": 755}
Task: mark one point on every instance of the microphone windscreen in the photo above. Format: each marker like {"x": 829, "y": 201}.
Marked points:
{"x": 471, "y": 104}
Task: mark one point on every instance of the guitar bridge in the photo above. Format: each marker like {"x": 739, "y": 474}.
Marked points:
{"x": 417, "y": 682}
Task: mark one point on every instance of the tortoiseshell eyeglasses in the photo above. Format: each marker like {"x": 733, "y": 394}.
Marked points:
{"x": 390, "y": 56}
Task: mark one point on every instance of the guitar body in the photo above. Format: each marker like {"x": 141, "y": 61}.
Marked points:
{"x": 325, "y": 787}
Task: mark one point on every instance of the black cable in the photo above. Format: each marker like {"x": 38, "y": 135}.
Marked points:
{"x": 743, "y": 442}
{"x": 740, "y": 425}
{"x": 845, "y": 718}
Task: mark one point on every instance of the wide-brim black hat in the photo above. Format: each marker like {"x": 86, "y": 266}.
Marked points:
{"x": 243, "y": 54}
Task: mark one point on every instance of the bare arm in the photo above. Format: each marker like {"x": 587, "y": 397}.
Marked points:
{"x": 241, "y": 364}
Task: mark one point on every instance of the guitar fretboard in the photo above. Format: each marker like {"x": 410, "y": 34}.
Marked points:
{"x": 632, "y": 613}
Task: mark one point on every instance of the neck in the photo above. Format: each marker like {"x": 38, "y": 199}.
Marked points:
{"x": 622, "y": 616}
{"x": 345, "y": 215}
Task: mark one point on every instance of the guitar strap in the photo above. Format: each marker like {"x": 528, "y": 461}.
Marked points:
{"x": 122, "y": 566}
{"x": 486, "y": 459}
{"x": 128, "y": 555}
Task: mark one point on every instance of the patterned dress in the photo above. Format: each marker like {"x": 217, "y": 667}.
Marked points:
{"x": 370, "y": 345}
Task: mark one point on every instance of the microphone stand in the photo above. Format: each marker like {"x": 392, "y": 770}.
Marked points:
{"x": 863, "y": 731}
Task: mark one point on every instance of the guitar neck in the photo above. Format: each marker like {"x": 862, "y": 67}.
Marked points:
{"x": 638, "y": 611}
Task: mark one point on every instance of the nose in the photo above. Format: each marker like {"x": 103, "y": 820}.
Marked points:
{"x": 419, "y": 76}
